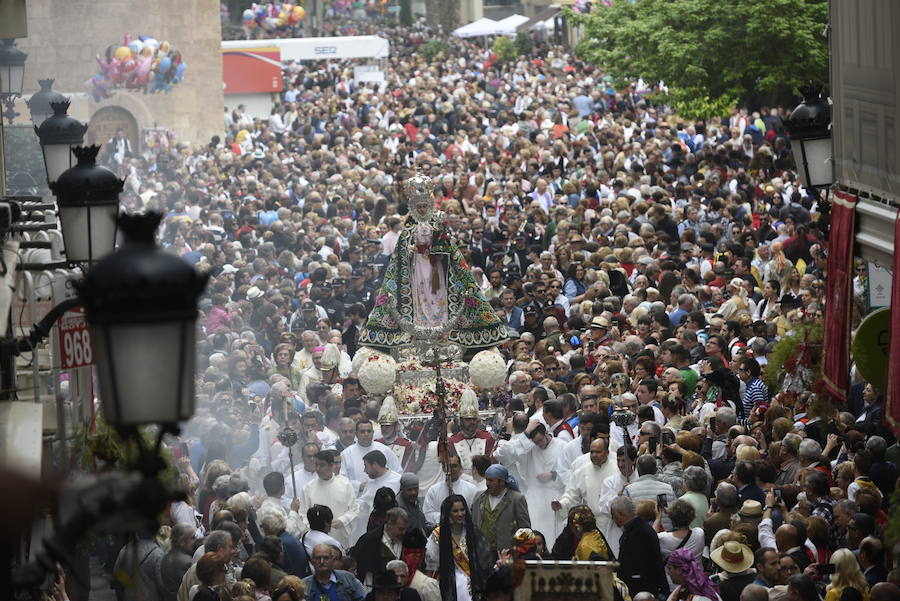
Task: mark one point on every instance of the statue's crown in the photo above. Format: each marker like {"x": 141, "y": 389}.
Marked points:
{"x": 419, "y": 185}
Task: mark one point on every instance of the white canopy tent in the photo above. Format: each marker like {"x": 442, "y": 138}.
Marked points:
{"x": 304, "y": 49}
{"x": 509, "y": 25}
{"x": 481, "y": 27}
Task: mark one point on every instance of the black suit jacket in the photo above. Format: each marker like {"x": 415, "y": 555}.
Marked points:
{"x": 752, "y": 493}
{"x": 730, "y": 588}
{"x": 641, "y": 567}
{"x": 875, "y": 574}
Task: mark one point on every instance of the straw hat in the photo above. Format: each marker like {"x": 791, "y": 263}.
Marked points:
{"x": 733, "y": 557}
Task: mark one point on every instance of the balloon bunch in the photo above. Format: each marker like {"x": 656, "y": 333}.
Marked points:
{"x": 142, "y": 63}
{"x": 272, "y": 18}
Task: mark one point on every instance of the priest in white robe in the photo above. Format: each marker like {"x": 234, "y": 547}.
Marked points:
{"x": 612, "y": 488}
{"x": 337, "y": 493}
{"x": 544, "y": 486}
{"x": 352, "y": 457}
{"x": 585, "y": 483}
{"x": 431, "y": 507}
{"x": 303, "y": 474}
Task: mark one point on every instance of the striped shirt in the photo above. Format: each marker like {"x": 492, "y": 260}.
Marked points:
{"x": 754, "y": 394}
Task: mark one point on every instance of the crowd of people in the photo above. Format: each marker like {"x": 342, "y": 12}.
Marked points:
{"x": 645, "y": 268}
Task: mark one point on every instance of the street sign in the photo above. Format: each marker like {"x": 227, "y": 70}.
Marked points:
{"x": 74, "y": 340}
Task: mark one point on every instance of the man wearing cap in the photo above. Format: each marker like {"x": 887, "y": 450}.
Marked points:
{"x": 306, "y": 316}
{"x": 736, "y": 561}
{"x": 333, "y": 307}
{"x": 500, "y": 510}
{"x": 437, "y": 492}
{"x": 408, "y": 499}
{"x": 470, "y": 440}
{"x": 391, "y": 437}
{"x": 358, "y": 292}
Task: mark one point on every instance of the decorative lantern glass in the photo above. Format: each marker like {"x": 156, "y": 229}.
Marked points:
{"x": 59, "y": 134}
{"x": 141, "y": 305}
{"x": 809, "y": 127}
{"x": 12, "y": 68}
{"x": 87, "y": 196}
{"x": 39, "y": 103}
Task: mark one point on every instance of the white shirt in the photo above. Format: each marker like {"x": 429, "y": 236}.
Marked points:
{"x": 608, "y": 492}
{"x": 352, "y": 460}
{"x": 431, "y": 506}
{"x": 585, "y": 486}
{"x": 302, "y": 478}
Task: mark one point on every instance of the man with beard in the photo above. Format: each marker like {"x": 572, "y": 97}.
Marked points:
{"x": 402, "y": 447}
{"x": 470, "y": 440}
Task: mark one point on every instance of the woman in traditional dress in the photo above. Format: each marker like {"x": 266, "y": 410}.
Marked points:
{"x": 457, "y": 542}
{"x": 581, "y": 538}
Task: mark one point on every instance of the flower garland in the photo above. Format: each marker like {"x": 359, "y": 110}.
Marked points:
{"x": 419, "y": 398}
{"x": 795, "y": 366}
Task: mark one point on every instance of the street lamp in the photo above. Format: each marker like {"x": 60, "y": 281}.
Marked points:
{"x": 39, "y": 103}
{"x": 141, "y": 305}
{"x": 12, "y": 69}
{"x": 88, "y": 199}
{"x": 809, "y": 127}
{"x": 59, "y": 134}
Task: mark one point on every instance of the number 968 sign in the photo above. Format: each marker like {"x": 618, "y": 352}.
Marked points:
{"x": 74, "y": 340}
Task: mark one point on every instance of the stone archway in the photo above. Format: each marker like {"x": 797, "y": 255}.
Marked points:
{"x": 104, "y": 123}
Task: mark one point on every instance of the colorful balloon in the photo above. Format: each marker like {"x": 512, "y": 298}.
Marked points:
{"x": 122, "y": 52}
{"x": 136, "y": 46}
{"x": 165, "y": 64}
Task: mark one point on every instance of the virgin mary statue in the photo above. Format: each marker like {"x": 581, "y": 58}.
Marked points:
{"x": 428, "y": 291}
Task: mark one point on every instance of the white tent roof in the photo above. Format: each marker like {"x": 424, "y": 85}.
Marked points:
{"x": 346, "y": 47}
{"x": 510, "y": 23}
{"x": 483, "y": 26}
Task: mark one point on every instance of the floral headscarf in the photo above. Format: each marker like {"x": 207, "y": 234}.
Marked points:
{"x": 695, "y": 579}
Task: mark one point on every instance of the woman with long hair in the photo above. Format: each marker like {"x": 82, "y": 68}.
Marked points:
{"x": 847, "y": 574}
{"x": 458, "y": 543}
{"x": 691, "y": 582}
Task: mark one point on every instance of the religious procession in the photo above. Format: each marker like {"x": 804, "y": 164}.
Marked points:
{"x": 499, "y": 330}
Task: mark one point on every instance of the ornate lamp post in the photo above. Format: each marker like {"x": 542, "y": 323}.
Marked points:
{"x": 88, "y": 199}
{"x": 39, "y": 103}
{"x": 809, "y": 126}
{"x": 59, "y": 135}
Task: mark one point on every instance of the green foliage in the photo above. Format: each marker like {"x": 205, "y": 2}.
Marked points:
{"x": 524, "y": 43}
{"x": 406, "y": 16}
{"x": 787, "y": 348}
{"x": 432, "y": 49}
{"x": 504, "y": 49}
{"x": 710, "y": 53}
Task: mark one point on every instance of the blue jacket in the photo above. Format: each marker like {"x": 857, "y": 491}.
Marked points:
{"x": 348, "y": 587}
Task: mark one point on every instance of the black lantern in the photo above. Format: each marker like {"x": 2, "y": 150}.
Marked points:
{"x": 809, "y": 127}
{"x": 141, "y": 305}
{"x": 12, "y": 69}
{"x": 39, "y": 103}
{"x": 59, "y": 134}
{"x": 88, "y": 199}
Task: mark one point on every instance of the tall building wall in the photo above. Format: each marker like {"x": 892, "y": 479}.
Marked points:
{"x": 65, "y": 37}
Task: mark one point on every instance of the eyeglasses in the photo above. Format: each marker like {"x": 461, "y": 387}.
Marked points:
{"x": 321, "y": 558}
